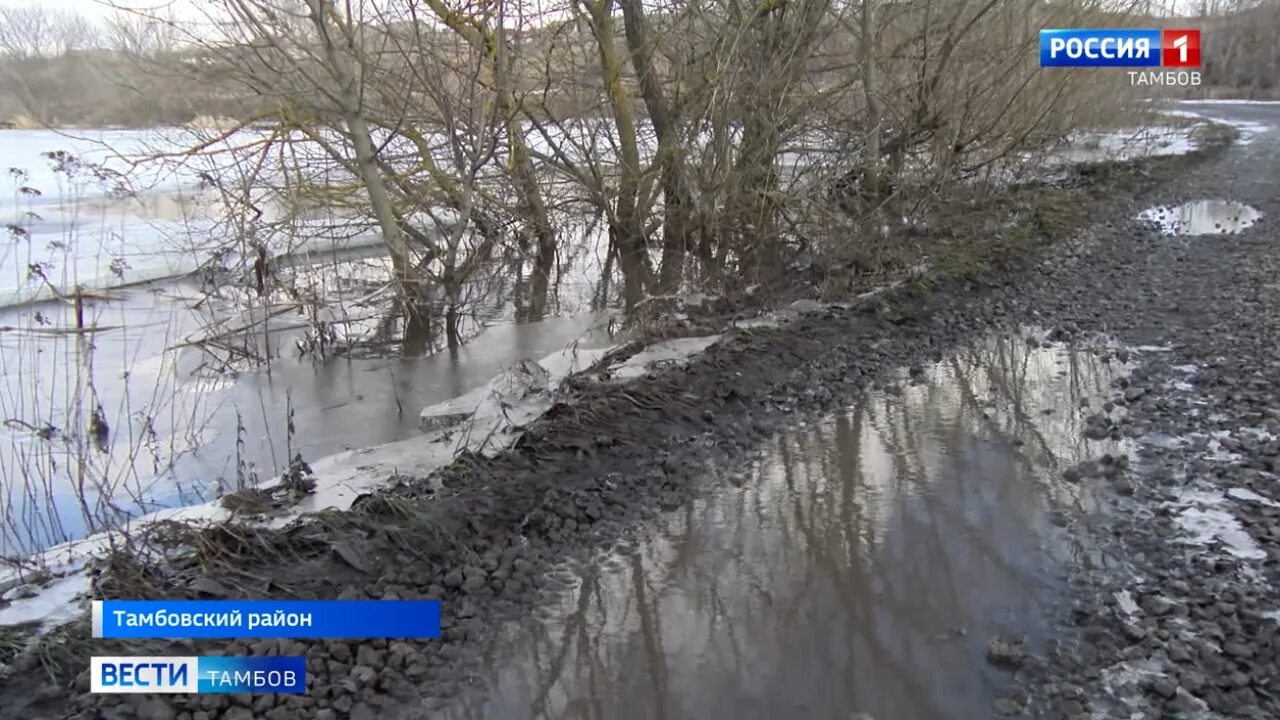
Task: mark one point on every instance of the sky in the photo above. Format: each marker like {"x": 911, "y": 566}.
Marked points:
{"x": 100, "y": 9}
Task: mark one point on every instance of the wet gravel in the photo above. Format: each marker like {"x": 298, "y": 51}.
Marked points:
{"x": 1163, "y": 629}
{"x": 1174, "y": 627}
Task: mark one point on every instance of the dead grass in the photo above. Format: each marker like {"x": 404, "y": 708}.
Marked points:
{"x": 14, "y": 639}
{"x": 64, "y": 647}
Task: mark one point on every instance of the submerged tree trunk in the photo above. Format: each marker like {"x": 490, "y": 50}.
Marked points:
{"x": 326, "y": 20}
{"x": 534, "y": 210}
{"x": 871, "y": 177}
{"x": 418, "y": 333}
{"x": 540, "y": 282}
{"x": 380, "y": 200}
{"x": 678, "y": 203}
{"x": 453, "y": 325}
{"x": 626, "y": 223}
{"x": 490, "y": 40}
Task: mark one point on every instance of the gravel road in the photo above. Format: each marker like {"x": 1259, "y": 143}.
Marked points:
{"x": 1174, "y": 627}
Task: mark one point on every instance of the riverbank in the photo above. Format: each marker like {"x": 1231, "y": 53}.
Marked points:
{"x": 208, "y": 388}
{"x": 480, "y": 533}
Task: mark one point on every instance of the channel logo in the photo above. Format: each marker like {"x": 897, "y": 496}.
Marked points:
{"x": 1120, "y": 48}
{"x": 1180, "y": 48}
{"x": 209, "y": 674}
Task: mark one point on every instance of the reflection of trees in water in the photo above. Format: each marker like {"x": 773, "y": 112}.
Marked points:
{"x": 837, "y": 523}
{"x": 321, "y": 304}
{"x": 862, "y": 539}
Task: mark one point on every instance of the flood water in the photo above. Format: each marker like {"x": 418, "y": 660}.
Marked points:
{"x": 862, "y": 566}
{"x": 181, "y": 434}
{"x": 179, "y": 379}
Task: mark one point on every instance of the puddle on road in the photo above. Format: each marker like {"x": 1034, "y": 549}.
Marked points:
{"x": 862, "y": 567}
{"x": 1202, "y": 217}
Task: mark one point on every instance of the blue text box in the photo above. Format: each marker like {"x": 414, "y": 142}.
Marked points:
{"x": 345, "y": 619}
{"x": 281, "y": 674}
{"x": 1099, "y": 48}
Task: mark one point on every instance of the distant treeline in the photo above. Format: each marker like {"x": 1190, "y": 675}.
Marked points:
{"x": 1240, "y": 55}
{"x": 56, "y": 69}
{"x": 99, "y": 88}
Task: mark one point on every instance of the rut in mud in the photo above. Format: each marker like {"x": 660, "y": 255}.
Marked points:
{"x": 869, "y": 560}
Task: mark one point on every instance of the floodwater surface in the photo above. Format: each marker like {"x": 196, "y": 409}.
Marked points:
{"x": 861, "y": 565}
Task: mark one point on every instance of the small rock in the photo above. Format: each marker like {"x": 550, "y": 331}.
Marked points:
{"x": 1070, "y": 708}
{"x": 1134, "y": 631}
{"x": 1184, "y": 703}
{"x": 1239, "y": 650}
{"x": 1164, "y": 687}
{"x": 363, "y": 675}
{"x": 1006, "y": 706}
{"x": 1157, "y": 604}
{"x": 155, "y": 709}
{"x": 366, "y": 654}
{"x": 473, "y": 583}
{"x": 1192, "y": 680}
{"x": 1006, "y": 653}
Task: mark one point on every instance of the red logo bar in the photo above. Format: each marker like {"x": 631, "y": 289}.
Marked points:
{"x": 1180, "y": 48}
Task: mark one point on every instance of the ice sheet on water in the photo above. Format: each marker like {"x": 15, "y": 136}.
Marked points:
{"x": 1248, "y": 130}
{"x": 1122, "y": 145}
{"x": 55, "y": 603}
{"x": 126, "y": 213}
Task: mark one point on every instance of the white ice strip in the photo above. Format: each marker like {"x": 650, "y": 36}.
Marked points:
{"x": 1251, "y": 496}
{"x": 1229, "y": 101}
{"x": 1203, "y": 521}
{"x": 661, "y": 354}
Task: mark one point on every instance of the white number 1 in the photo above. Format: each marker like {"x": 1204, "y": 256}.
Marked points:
{"x": 1181, "y": 44}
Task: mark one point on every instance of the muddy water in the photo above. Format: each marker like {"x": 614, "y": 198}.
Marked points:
{"x": 210, "y": 433}
{"x": 860, "y": 565}
{"x": 188, "y": 422}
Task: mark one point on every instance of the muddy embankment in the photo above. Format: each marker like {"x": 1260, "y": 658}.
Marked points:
{"x": 488, "y": 534}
